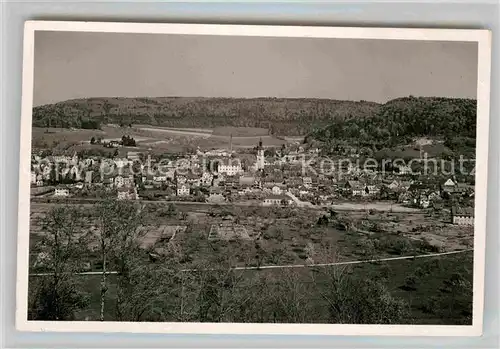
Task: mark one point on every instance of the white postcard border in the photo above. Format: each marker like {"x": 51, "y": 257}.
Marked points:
{"x": 482, "y": 37}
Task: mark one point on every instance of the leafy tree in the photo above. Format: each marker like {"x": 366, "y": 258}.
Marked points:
{"x": 128, "y": 141}
{"x": 53, "y": 175}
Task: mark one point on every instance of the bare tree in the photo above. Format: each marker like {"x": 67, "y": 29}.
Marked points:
{"x": 57, "y": 296}
{"x": 116, "y": 233}
{"x": 150, "y": 292}
{"x": 143, "y": 288}
{"x": 106, "y": 108}
{"x": 218, "y": 290}
{"x": 290, "y": 297}
{"x": 354, "y": 300}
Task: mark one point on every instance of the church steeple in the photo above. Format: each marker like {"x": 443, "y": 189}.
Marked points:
{"x": 260, "y": 156}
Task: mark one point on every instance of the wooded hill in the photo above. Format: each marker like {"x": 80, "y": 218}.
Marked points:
{"x": 281, "y": 116}
{"x": 322, "y": 118}
{"x": 406, "y": 117}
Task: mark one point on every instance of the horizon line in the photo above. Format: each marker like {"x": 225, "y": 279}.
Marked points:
{"x": 250, "y": 98}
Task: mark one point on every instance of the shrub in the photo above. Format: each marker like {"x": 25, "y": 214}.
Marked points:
{"x": 62, "y": 302}
{"x": 395, "y": 245}
{"x": 376, "y": 228}
{"x": 298, "y": 249}
{"x": 426, "y": 246}
{"x": 368, "y": 247}
{"x": 432, "y": 265}
{"x": 410, "y": 283}
{"x": 322, "y": 221}
{"x": 429, "y": 305}
{"x": 419, "y": 272}
{"x": 354, "y": 301}
{"x": 385, "y": 270}
{"x": 456, "y": 304}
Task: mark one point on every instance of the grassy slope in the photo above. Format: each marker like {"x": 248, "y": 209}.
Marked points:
{"x": 430, "y": 303}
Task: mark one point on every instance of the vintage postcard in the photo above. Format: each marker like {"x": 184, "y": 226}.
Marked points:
{"x": 181, "y": 178}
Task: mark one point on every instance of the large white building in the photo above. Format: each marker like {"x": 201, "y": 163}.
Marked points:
{"x": 230, "y": 169}
{"x": 160, "y": 178}
{"x": 463, "y": 216}
{"x": 61, "y": 192}
{"x": 277, "y": 200}
{"x": 124, "y": 181}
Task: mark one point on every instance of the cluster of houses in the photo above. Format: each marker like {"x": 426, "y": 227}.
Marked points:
{"x": 276, "y": 181}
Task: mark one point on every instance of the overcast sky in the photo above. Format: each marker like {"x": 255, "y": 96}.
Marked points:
{"x": 72, "y": 65}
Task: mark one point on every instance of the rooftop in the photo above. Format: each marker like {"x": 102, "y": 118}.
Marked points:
{"x": 462, "y": 211}
{"x": 277, "y": 197}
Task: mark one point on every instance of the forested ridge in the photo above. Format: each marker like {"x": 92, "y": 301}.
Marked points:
{"x": 321, "y": 118}
{"x": 281, "y": 116}
{"x": 407, "y": 117}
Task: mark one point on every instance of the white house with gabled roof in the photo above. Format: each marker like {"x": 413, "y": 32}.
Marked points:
{"x": 182, "y": 190}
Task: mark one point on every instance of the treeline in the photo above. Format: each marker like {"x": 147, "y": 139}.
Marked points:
{"x": 399, "y": 120}
{"x": 366, "y": 121}
{"x": 281, "y": 116}
{"x": 63, "y": 115}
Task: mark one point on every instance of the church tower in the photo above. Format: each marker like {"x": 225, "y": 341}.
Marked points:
{"x": 260, "y": 156}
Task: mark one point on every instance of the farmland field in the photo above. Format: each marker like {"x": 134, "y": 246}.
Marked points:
{"x": 155, "y": 138}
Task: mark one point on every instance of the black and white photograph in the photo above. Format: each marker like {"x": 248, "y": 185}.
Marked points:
{"x": 240, "y": 179}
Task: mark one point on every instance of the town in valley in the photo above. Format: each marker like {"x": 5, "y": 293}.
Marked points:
{"x": 253, "y": 219}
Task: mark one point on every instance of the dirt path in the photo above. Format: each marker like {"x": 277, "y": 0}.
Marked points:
{"x": 376, "y": 206}
{"x": 177, "y": 132}
{"x": 302, "y": 265}
{"x": 352, "y": 262}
